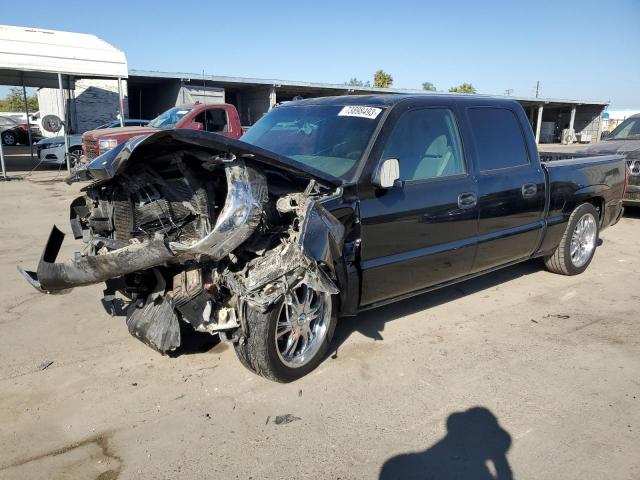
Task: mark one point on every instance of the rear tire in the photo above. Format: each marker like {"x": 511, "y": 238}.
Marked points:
{"x": 578, "y": 243}
{"x": 267, "y": 355}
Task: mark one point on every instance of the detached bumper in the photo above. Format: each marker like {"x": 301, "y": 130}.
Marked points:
{"x": 52, "y": 277}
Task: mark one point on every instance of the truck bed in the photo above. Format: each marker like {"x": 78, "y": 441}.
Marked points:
{"x": 571, "y": 158}
{"x": 574, "y": 178}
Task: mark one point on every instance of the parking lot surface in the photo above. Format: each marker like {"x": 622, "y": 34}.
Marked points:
{"x": 520, "y": 373}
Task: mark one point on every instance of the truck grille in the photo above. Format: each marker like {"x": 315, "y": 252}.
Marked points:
{"x": 91, "y": 149}
{"x": 634, "y": 167}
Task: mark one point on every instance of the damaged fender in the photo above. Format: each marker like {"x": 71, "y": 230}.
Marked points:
{"x": 310, "y": 257}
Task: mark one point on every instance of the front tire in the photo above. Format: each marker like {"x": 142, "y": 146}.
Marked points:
{"x": 9, "y": 139}
{"x": 578, "y": 243}
{"x": 290, "y": 339}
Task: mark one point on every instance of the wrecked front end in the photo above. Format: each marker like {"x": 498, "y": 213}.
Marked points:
{"x": 191, "y": 227}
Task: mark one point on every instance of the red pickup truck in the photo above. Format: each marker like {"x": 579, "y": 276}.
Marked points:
{"x": 220, "y": 118}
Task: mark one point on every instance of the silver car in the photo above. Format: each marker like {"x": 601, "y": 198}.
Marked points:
{"x": 51, "y": 150}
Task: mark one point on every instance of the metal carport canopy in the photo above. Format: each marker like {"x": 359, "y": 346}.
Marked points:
{"x": 35, "y": 57}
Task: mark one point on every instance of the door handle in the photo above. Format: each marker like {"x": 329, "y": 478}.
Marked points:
{"x": 467, "y": 200}
{"x": 529, "y": 190}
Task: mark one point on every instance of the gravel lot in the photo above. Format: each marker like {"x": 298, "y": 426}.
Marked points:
{"x": 519, "y": 373}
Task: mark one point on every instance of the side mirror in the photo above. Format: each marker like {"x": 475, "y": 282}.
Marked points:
{"x": 604, "y": 135}
{"x": 194, "y": 126}
{"x": 387, "y": 173}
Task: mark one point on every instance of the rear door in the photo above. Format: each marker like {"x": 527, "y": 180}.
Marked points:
{"x": 511, "y": 187}
{"x": 421, "y": 232}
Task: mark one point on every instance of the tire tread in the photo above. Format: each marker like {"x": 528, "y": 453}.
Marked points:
{"x": 254, "y": 354}
{"x": 557, "y": 261}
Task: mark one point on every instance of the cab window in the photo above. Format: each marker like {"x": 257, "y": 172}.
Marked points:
{"x": 498, "y": 137}
{"x": 427, "y": 144}
{"x": 214, "y": 120}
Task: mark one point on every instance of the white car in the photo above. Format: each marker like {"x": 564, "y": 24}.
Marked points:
{"x": 51, "y": 150}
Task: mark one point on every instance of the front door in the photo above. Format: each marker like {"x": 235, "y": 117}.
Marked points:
{"x": 421, "y": 232}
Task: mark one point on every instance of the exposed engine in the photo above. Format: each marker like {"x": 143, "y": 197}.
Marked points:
{"x": 181, "y": 208}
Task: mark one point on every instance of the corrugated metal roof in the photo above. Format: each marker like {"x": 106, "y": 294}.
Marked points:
{"x": 271, "y": 82}
{"x": 24, "y": 49}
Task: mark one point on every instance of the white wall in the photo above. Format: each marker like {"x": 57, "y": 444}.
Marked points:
{"x": 192, "y": 94}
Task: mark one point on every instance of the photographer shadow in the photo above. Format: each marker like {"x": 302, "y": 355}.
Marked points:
{"x": 474, "y": 448}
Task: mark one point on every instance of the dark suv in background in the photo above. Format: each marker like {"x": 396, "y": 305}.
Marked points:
{"x": 13, "y": 132}
{"x": 625, "y": 140}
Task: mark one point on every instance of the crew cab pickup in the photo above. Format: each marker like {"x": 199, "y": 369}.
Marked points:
{"x": 325, "y": 208}
{"x": 217, "y": 118}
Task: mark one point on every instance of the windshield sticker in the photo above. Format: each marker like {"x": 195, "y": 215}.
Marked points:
{"x": 182, "y": 112}
{"x": 358, "y": 111}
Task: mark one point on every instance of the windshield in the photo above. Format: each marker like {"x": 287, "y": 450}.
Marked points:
{"x": 7, "y": 121}
{"x": 331, "y": 139}
{"x": 169, "y": 118}
{"x": 627, "y": 130}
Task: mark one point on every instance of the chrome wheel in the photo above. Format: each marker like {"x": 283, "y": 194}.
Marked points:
{"x": 302, "y": 325}
{"x": 583, "y": 240}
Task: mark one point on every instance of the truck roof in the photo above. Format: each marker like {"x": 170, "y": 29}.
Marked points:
{"x": 388, "y": 100}
{"x": 194, "y": 106}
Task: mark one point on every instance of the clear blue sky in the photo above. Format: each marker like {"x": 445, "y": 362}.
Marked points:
{"x": 577, "y": 49}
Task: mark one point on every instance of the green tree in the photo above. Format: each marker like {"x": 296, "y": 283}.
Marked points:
{"x": 429, "y": 87}
{"x": 382, "y": 79}
{"x": 463, "y": 88}
{"x": 14, "y": 102}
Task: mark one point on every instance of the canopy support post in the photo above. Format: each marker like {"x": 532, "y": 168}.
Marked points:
{"x": 63, "y": 117}
{"x": 121, "y": 101}
{"x": 4, "y": 168}
{"x": 539, "y": 124}
{"x": 26, "y": 109}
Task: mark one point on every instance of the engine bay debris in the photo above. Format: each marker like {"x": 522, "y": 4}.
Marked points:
{"x": 188, "y": 229}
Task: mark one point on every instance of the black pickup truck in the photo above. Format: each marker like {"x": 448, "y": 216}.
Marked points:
{"x": 325, "y": 207}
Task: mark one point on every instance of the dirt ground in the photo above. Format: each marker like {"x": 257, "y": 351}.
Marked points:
{"x": 520, "y": 373}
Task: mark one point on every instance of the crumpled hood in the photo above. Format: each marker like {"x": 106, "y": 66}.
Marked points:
{"x": 144, "y": 148}
{"x": 614, "y": 146}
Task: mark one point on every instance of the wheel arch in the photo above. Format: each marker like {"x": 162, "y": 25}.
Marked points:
{"x": 593, "y": 194}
